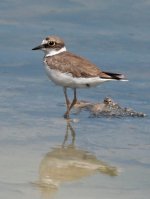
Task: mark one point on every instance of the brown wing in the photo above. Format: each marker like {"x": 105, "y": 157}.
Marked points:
{"x": 67, "y": 62}
{"x": 79, "y": 67}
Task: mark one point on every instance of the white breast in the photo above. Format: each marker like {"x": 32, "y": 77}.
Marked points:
{"x": 67, "y": 80}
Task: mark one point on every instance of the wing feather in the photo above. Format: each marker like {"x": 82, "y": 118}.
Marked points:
{"x": 77, "y": 66}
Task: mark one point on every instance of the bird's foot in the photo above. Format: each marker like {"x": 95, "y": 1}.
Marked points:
{"x": 66, "y": 116}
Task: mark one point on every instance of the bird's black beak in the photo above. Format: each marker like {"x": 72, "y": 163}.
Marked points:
{"x": 38, "y": 47}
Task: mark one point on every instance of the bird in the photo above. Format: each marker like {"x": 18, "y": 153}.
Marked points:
{"x": 69, "y": 70}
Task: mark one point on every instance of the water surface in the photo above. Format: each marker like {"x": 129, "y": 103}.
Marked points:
{"x": 41, "y": 157}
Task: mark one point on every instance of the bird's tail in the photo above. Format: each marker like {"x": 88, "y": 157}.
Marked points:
{"x": 115, "y": 76}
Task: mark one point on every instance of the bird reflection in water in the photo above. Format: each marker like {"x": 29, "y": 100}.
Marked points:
{"x": 68, "y": 163}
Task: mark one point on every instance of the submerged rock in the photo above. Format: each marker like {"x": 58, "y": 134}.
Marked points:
{"x": 107, "y": 108}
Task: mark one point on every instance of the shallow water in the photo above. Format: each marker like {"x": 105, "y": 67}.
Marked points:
{"x": 41, "y": 157}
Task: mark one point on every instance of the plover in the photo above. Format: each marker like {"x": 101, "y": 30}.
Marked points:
{"x": 71, "y": 71}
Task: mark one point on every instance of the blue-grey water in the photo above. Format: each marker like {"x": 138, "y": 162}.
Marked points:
{"x": 41, "y": 156}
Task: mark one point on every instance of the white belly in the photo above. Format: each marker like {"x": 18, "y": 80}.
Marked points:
{"x": 67, "y": 80}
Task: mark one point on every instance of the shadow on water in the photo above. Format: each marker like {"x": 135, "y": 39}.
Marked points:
{"x": 67, "y": 163}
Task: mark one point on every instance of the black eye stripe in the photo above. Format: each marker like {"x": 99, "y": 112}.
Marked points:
{"x": 46, "y": 45}
{"x": 54, "y": 45}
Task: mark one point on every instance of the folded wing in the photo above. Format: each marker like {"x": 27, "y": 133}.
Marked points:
{"x": 77, "y": 66}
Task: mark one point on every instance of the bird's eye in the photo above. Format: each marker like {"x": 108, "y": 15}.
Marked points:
{"x": 51, "y": 43}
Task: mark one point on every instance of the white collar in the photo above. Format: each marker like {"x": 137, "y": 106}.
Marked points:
{"x": 52, "y": 52}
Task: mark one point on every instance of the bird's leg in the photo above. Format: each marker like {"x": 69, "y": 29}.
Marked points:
{"x": 74, "y": 100}
{"x": 69, "y": 106}
{"x": 66, "y": 115}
